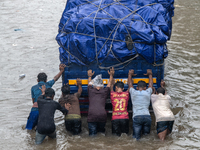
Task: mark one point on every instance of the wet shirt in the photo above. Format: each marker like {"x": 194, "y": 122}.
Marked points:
{"x": 119, "y": 105}
{"x": 140, "y": 101}
{"x": 47, "y": 108}
{"x": 35, "y": 90}
{"x": 97, "y": 100}
{"x": 73, "y": 99}
{"x": 161, "y": 107}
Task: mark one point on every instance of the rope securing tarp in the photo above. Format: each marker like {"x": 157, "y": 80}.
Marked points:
{"x": 114, "y": 31}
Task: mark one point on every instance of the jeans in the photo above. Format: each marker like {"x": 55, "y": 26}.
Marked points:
{"x": 120, "y": 126}
{"x": 95, "y": 127}
{"x": 39, "y": 138}
{"x": 141, "y": 125}
{"x": 73, "y": 125}
{"x": 32, "y": 119}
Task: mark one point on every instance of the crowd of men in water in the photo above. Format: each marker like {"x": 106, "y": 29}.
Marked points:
{"x": 44, "y": 107}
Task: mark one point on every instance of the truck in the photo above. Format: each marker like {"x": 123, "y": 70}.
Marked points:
{"x": 124, "y": 34}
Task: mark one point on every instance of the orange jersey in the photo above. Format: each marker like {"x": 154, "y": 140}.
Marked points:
{"x": 119, "y": 104}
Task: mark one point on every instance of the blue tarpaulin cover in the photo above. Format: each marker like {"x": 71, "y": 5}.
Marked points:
{"x": 114, "y": 30}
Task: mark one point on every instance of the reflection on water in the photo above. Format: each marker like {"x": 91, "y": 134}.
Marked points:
{"x": 27, "y": 33}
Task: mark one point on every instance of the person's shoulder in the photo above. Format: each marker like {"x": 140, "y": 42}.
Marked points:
{"x": 131, "y": 90}
{"x": 149, "y": 90}
{"x": 52, "y": 101}
{"x": 167, "y": 96}
{"x": 55, "y": 103}
{"x": 126, "y": 92}
{"x": 76, "y": 95}
{"x": 61, "y": 99}
{"x": 106, "y": 88}
{"x": 90, "y": 87}
{"x": 40, "y": 98}
{"x": 112, "y": 93}
{"x": 66, "y": 97}
{"x": 154, "y": 96}
{"x": 50, "y": 82}
{"x": 35, "y": 86}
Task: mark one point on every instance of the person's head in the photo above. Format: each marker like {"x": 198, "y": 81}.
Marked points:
{"x": 119, "y": 86}
{"x": 141, "y": 85}
{"x": 65, "y": 90}
{"x": 97, "y": 82}
{"x": 160, "y": 90}
{"x": 49, "y": 93}
{"x": 42, "y": 77}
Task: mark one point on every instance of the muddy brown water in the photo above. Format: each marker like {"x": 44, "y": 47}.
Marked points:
{"x": 33, "y": 49}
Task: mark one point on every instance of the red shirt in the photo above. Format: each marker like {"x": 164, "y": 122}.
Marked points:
{"x": 119, "y": 104}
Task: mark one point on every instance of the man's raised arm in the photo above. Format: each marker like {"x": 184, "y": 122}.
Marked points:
{"x": 90, "y": 74}
{"x": 149, "y": 73}
{"x": 111, "y": 73}
{"x": 62, "y": 69}
{"x": 79, "y": 84}
{"x": 112, "y": 85}
{"x": 130, "y": 81}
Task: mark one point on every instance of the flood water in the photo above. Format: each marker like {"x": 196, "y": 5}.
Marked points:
{"x": 28, "y": 46}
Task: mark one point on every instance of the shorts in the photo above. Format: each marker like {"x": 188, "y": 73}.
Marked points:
{"x": 95, "y": 127}
{"x": 73, "y": 125}
{"x": 163, "y": 125}
{"x": 141, "y": 125}
{"x": 39, "y": 138}
{"x": 32, "y": 119}
{"x": 120, "y": 126}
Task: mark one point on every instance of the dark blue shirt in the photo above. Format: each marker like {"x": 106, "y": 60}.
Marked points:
{"x": 47, "y": 108}
{"x": 35, "y": 90}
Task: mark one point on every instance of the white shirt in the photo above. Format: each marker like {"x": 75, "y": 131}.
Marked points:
{"x": 161, "y": 107}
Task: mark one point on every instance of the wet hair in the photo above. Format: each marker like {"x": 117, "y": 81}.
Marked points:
{"x": 161, "y": 90}
{"x": 141, "y": 84}
{"x": 119, "y": 84}
{"x": 49, "y": 92}
{"x": 65, "y": 89}
{"x": 42, "y": 77}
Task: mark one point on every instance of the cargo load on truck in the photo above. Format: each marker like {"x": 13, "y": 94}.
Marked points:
{"x": 114, "y": 31}
{"x": 124, "y": 34}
